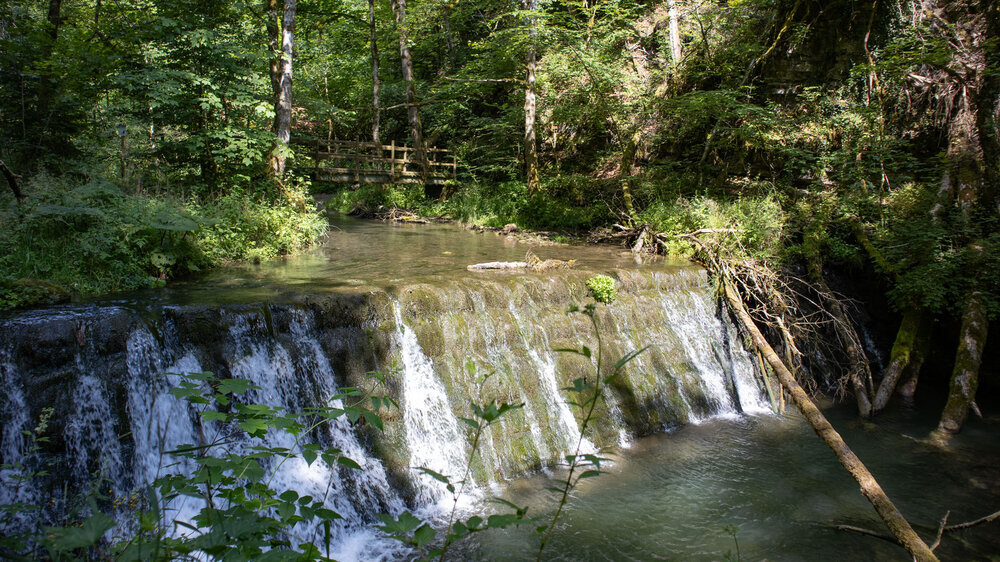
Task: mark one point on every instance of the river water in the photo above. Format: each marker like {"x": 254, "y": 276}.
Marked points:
{"x": 696, "y": 448}
{"x": 671, "y": 496}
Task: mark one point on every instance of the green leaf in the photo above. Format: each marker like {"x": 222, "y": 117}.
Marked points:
{"x": 435, "y": 475}
{"x": 628, "y": 357}
{"x": 255, "y": 427}
{"x": 236, "y": 386}
{"x": 87, "y": 534}
{"x": 589, "y": 474}
{"x": 309, "y": 454}
{"x": 212, "y": 415}
{"x": 501, "y": 521}
{"x": 424, "y": 535}
{"x": 349, "y": 463}
{"x": 403, "y": 524}
{"x": 373, "y": 419}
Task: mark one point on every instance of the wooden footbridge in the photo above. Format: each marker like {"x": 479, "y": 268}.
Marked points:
{"x": 354, "y": 162}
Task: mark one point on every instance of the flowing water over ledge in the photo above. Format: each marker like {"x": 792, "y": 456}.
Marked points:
{"x": 376, "y": 296}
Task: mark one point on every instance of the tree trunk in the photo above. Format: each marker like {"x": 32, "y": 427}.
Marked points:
{"x": 897, "y": 524}
{"x": 376, "y": 115}
{"x": 965, "y": 376}
{"x": 625, "y": 172}
{"x": 412, "y": 109}
{"x": 530, "y": 136}
{"x": 675, "y": 36}
{"x": 15, "y": 186}
{"x": 47, "y": 82}
{"x": 903, "y": 351}
{"x": 281, "y": 79}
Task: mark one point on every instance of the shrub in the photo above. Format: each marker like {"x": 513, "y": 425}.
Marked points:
{"x": 602, "y": 288}
{"x": 78, "y": 240}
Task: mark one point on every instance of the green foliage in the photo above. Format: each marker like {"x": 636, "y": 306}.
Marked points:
{"x": 76, "y": 240}
{"x": 602, "y": 288}
{"x": 243, "y": 516}
{"x": 589, "y": 393}
{"x": 752, "y": 226}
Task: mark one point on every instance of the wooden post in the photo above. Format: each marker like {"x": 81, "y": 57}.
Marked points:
{"x": 392, "y": 162}
{"x": 454, "y": 166}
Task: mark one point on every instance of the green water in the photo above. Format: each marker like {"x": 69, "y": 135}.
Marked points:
{"x": 671, "y": 496}
{"x": 358, "y": 255}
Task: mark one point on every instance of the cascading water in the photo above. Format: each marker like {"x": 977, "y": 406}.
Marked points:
{"x": 432, "y": 432}
{"x": 113, "y": 368}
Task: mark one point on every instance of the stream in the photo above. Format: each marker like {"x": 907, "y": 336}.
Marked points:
{"x": 695, "y": 444}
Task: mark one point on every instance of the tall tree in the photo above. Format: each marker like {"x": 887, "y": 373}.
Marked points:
{"x": 971, "y": 89}
{"x": 376, "y": 110}
{"x": 530, "y": 137}
{"x": 48, "y": 83}
{"x": 412, "y": 107}
{"x": 281, "y": 35}
{"x": 675, "y": 36}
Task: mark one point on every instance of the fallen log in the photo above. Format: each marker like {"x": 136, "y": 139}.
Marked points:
{"x": 870, "y": 488}
{"x": 498, "y": 265}
{"x": 532, "y": 262}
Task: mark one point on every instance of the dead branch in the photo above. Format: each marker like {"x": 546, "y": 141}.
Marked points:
{"x": 742, "y": 276}
{"x": 940, "y": 531}
{"x": 641, "y": 240}
{"x": 989, "y": 518}
{"x": 498, "y": 265}
{"x": 869, "y": 532}
{"x": 12, "y": 178}
{"x": 511, "y": 80}
{"x": 897, "y": 524}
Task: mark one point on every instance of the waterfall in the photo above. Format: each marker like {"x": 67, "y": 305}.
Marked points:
{"x": 432, "y": 431}
{"x": 14, "y": 449}
{"x": 108, "y": 372}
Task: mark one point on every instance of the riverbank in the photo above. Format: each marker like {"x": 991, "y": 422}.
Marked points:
{"x": 83, "y": 238}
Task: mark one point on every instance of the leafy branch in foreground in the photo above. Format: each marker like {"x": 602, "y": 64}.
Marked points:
{"x": 589, "y": 393}
{"x": 229, "y": 475}
{"x": 409, "y": 529}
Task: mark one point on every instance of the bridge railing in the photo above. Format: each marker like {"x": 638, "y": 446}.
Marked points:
{"x": 368, "y": 162}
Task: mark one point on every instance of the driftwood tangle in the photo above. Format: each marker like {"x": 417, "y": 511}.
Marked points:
{"x": 900, "y": 528}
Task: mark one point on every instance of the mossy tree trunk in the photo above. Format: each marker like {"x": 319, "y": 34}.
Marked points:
{"x": 281, "y": 34}
{"x": 907, "y": 386}
{"x": 904, "y": 350}
{"x": 376, "y": 109}
{"x": 412, "y": 107}
{"x": 625, "y": 172}
{"x": 965, "y": 376}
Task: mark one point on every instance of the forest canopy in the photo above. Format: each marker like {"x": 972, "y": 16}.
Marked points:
{"x": 147, "y": 140}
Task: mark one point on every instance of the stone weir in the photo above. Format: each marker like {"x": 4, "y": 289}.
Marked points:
{"x": 106, "y": 371}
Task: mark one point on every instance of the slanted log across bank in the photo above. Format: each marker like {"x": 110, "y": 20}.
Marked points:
{"x": 871, "y": 489}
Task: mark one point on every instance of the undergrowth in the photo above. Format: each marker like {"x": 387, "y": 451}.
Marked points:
{"x": 72, "y": 239}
